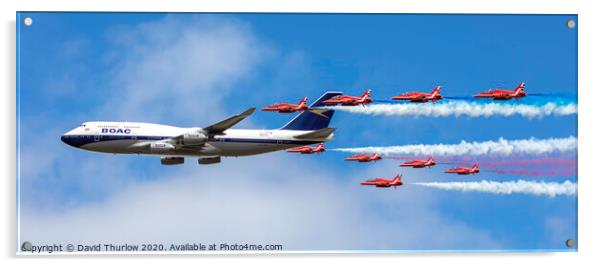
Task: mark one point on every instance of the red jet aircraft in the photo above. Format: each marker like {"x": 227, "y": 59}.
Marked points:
{"x": 364, "y": 157}
{"x": 419, "y": 163}
{"x": 382, "y": 182}
{"x": 347, "y": 100}
{"x": 419, "y": 97}
{"x": 287, "y": 107}
{"x": 501, "y": 94}
{"x": 465, "y": 171}
{"x": 308, "y": 149}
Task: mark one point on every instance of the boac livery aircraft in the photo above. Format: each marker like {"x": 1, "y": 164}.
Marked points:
{"x": 209, "y": 143}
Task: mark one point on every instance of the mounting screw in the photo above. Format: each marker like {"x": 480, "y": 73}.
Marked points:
{"x": 27, "y": 21}
{"x": 570, "y": 24}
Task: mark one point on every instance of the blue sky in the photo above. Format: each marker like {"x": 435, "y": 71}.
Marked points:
{"x": 194, "y": 69}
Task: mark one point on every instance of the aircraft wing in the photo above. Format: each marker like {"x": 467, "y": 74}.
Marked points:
{"x": 229, "y": 122}
{"x": 212, "y": 130}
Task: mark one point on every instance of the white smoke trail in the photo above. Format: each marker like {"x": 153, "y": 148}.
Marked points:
{"x": 551, "y": 189}
{"x": 460, "y": 108}
{"x": 501, "y": 147}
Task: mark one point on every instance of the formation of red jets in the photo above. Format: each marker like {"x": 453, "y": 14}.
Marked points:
{"x": 415, "y": 97}
{"x": 429, "y": 162}
{"x": 382, "y": 182}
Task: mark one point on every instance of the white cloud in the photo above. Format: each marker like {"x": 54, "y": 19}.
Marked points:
{"x": 175, "y": 68}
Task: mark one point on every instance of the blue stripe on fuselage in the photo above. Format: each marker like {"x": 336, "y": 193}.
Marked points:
{"x": 80, "y": 140}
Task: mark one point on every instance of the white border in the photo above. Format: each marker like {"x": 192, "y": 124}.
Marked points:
{"x": 589, "y": 125}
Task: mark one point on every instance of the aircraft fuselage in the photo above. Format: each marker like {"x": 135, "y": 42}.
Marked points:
{"x": 134, "y": 138}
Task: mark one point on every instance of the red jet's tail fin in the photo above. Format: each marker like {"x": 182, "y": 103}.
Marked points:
{"x": 397, "y": 179}
{"x": 319, "y": 146}
{"x": 303, "y": 101}
{"x": 519, "y": 88}
{"x": 436, "y": 90}
{"x": 475, "y": 167}
{"x": 366, "y": 93}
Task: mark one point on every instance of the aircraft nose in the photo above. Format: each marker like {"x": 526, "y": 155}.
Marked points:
{"x": 69, "y": 141}
{"x": 65, "y": 139}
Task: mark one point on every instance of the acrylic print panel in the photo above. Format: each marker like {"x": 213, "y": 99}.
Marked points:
{"x": 137, "y": 133}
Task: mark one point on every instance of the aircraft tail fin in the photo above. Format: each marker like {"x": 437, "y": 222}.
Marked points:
{"x": 519, "y": 88}
{"x": 320, "y": 146}
{"x": 303, "y": 101}
{"x": 436, "y": 90}
{"x": 475, "y": 166}
{"x": 366, "y": 94}
{"x": 313, "y": 118}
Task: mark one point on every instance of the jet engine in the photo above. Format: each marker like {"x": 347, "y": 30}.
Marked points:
{"x": 172, "y": 160}
{"x": 194, "y": 138}
{"x": 161, "y": 147}
{"x": 212, "y": 160}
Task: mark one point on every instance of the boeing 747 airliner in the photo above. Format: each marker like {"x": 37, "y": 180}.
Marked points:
{"x": 209, "y": 143}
